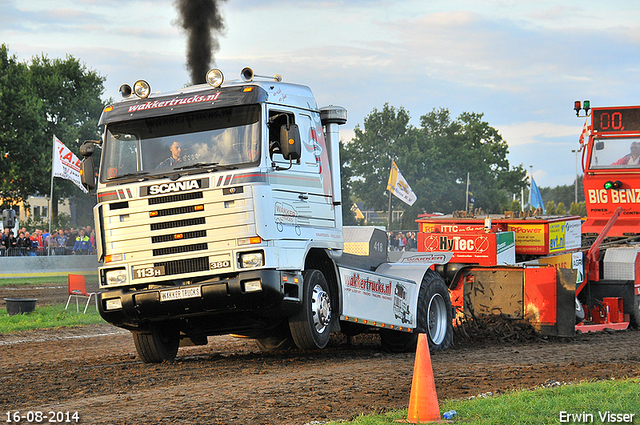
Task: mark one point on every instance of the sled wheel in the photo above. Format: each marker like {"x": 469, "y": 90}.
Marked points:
{"x": 310, "y": 326}
{"x": 161, "y": 344}
{"x": 434, "y": 319}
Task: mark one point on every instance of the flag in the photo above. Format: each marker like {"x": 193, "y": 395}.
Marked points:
{"x": 535, "y": 199}
{"x": 399, "y": 187}
{"x": 584, "y": 136}
{"x": 356, "y": 211}
{"x": 66, "y": 164}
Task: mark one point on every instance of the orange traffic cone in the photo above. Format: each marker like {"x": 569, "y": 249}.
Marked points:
{"x": 423, "y": 401}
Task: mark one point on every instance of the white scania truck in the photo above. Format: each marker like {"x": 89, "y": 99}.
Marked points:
{"x": 219, "y": 212}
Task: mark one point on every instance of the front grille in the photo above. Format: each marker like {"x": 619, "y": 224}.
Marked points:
{"x": 175, "y": 198}
{"x": 185, "y": 235}
{"x": 184, "y": 266}
{"x": 178, "y": 223}
{"x": 179, "y": 249}
{"x": 176, "y": 211}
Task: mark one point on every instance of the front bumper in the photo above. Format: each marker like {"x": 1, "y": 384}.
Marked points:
{"x": 278, "y": 297}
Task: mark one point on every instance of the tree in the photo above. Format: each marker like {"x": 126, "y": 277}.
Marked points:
{"x": 45, "y": 98}
{"x": 22, "y": 119}
{"x": 367, "y": 158}
{"x": 434, "y": 159}
{"x": 578, "y": 209}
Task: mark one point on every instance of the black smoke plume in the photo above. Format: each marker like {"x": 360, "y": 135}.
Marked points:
{"x": 202, "y": 21}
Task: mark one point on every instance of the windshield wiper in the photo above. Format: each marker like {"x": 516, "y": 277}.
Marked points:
{"x": 141, "y": 173}
{"x": 197, "y": 165}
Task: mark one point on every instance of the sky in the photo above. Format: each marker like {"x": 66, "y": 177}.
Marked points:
{"x": 520, "y": 63}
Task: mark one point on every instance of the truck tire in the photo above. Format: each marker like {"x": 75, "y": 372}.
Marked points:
{"x": 310, "y": 326}
{"x": 635, "y": 316}
{"x": 161, "y": 344}
{"x": 434, "y": 319}
{"x": 278, "y": 339}
{"x": 579, "y": 312}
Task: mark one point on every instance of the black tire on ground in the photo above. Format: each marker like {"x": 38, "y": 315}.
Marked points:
{"x": 310, "y": 326}
{"x": 278, "y": 339}
{"x": 635, "y": 315}
{"x": 579, "y": 312}
{"x": 434, "y": 319}
{"x": 161, "y": 344}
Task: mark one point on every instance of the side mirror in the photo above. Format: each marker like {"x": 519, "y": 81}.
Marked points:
{"x": 88, "y": 172}
{"x": 290, "y": 144}
{"x": 88, "y": 147}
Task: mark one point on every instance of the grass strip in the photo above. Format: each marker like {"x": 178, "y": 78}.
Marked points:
{"x": 47, "y": 280}
{"x": 52, "y": 316}
{"x": 612, "y": 401}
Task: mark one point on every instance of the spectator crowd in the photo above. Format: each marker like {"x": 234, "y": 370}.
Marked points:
{"x": 68, "y": 241}
{"x": 402, "y": 241}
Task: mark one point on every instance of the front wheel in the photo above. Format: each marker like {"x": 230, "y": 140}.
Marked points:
{"x": 434, "y": 318}
{"x": 277, "y": 339}
{"x": 310, "y": 326}
{"x": 161, "y": 344}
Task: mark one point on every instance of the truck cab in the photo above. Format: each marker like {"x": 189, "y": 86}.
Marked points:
{"x": 219, "y": 212}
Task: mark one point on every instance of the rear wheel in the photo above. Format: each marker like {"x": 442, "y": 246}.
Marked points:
{"x": 635, "y": 316}
{"x": 434, "y": 318}
{"x": 310, "y": 326}
{"x": 161, "y": 344}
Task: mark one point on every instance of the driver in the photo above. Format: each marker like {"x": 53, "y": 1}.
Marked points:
{"x": 633, "y": 158}
{"x": 175, "y": 158}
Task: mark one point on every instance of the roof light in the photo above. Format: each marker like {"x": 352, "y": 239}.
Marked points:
{"x": 142, "y": 89}
{"x": 613, "y": 185}
{"x": 577, "y": 106}
{"x": 215, "y": 77}
{"x": 125, "y": 91}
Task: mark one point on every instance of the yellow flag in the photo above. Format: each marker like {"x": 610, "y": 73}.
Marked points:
{"x": 399, "y": 186}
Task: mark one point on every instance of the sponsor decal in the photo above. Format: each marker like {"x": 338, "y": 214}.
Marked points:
{"x": 437, "y": 258}
{"x": 614, "y": 196}
{"x": 456, "y": 243}
{"x": 174, "y": 102}
{"x": 366, "y": 284}
{"x": 178, "y": 186}
{"x": 285, "y": 213}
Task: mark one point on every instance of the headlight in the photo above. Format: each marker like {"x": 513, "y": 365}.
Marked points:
{"x": 253, "y": 286}
{"x": 251, "y": 259}
{"x": 142, "y": 89}
{"x": 116, "y": 277}
{"x": 113, "y": 304}
{"x": 215, "y": 78}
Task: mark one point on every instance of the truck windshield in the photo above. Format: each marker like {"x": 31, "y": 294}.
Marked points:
{"x": 615, "y": 153}
{"x": 158, "y": 145}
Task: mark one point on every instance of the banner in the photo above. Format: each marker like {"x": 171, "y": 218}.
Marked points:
{"x": 399, "y": 187}
{"x": 65, "y": 164}
{"x": 535, "y": 199}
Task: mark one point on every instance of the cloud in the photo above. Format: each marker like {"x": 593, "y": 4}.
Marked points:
{"x": 533, "y": 132}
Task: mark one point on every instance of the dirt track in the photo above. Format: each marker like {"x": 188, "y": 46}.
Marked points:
{"x": 94, "y": 370}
